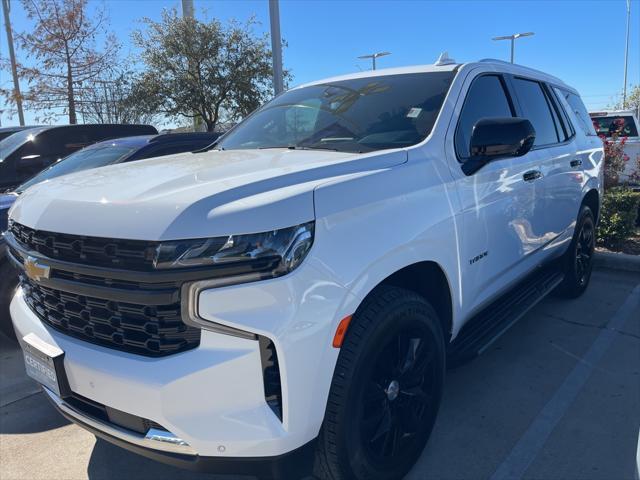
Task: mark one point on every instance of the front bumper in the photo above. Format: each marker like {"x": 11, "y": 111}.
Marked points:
{"x": 294, "y": 464}
{"x": 213, "y": 396}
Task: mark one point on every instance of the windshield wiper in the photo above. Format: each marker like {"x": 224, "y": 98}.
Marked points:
{"x": 299, "y": 147}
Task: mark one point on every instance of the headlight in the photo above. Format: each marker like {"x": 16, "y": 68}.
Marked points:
{"x": 276, "y": 252}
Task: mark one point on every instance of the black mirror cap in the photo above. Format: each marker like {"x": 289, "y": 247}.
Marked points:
{"x": 495, "y": 138}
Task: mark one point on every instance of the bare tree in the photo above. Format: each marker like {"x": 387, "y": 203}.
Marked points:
{"x": 61, "y": 45}
{"x": 203, "y": 69}
{"x": 111, "y": 98}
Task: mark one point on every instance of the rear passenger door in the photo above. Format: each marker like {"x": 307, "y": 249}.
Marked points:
{"x": 557, "y": 152}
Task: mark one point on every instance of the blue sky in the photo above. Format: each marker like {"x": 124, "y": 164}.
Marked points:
{"x": 581, "y": 42}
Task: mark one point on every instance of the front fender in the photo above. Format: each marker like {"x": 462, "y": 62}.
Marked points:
{"x": 371, "y": 226}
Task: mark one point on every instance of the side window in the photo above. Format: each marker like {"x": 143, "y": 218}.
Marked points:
{"x": 560, "y": 130}
{"x": 579, "y": 110}
{"x": 537, "y": 110}
{"x": 486, "y": 98}
{"x": 562, "y": 108}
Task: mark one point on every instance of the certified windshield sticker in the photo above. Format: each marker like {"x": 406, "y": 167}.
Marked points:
{"x": 414, "y": 112}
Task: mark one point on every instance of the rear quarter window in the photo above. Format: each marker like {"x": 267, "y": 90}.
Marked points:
{"x": 579, "y": 110}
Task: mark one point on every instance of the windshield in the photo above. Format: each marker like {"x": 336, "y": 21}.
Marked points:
{"x": 356, "y": 115}
{"x": 82, "y": 160}
{"x": 623, "y": 126}
{"x": 16, "y": 140}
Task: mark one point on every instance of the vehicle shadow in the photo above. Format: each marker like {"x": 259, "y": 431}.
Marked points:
{"x": 23, "y": 407}
{"x": 31, "y": 414}
{"x": 108, "y": 462}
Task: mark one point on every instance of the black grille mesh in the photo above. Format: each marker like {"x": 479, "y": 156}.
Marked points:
{"x": 102, "y": 252}
{"x": 156, "y": 330}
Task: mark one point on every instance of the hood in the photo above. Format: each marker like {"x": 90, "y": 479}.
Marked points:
{"x": 191, "y": 195}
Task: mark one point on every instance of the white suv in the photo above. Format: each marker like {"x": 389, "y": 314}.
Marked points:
{"x": 294, "y": 294}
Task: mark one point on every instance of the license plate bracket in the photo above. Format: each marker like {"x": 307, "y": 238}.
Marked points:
{"x": 45, "y": 364}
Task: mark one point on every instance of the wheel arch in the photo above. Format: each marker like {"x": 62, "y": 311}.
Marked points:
{"x": 428, "y": 279}
{"x": 592, "y": 200}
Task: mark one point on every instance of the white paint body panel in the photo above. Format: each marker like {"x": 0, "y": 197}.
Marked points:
{"x": 374, "y": 214}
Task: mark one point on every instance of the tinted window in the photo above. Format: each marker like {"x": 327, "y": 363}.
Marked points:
{"x": 15, "y": 141}
{"x": 486, "y": 99}
{"x": 560, "y": 129}
{"x": 537, "y": 110}
{"x": 82, "y": 160}
{"x": 579, "y": 110}
{"x": 169, "y": 149}
{"x": 623, "y": 126}
{"x": 561, "y": 107}
{"x": 355, "y": 115}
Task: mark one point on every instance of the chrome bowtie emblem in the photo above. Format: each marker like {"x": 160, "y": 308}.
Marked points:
{"x": 35, "y": 270}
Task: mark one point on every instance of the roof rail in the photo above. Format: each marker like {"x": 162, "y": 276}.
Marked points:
{"x": 494, "y": 60}
{"x": 524, "y": 67}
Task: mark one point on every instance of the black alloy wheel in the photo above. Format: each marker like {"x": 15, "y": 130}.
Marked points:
{"x": 398, "y": 394}
{"x": 577, "y": 262}
{"x": 386, "y": 389}
{"x": 585, "y": 246}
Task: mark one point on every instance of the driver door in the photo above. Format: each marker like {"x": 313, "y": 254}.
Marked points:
{"x": 499, "y": 202}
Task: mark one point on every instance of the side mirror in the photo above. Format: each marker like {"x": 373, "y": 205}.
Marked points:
{"x": 495, "y": 138}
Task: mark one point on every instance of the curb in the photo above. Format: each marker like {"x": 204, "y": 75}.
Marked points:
{"x": 617, "y": 261}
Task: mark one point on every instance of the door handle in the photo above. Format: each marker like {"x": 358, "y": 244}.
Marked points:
{"x": 576, "y": 162}
{"x": 532, "y": 175}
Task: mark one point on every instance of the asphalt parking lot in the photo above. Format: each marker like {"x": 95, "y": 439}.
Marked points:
{"x": 557, "y": 397}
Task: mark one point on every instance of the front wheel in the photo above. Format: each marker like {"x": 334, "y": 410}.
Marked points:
{"x": 578, "y": 261}
{"x": 386, "y": 389}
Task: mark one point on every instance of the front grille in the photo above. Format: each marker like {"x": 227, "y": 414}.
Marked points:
{"x": 94, "y": 251}
{"x": 151, "y": 330}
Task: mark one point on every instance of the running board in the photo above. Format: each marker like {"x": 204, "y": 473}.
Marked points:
{"x": 486, "y": 327}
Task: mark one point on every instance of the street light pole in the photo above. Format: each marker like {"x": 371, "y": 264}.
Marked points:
{"x": 188, "y": 12}
{"x": 513, "y": 39}
{"x": 276, "y": 46}
{"x": 626, "y": 57}
{"x": 12, "y": 58}
{"x": 373, "y": 57}
{"x": 187, "y": 8}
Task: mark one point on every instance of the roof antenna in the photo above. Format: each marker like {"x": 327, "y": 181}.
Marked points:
{"x": 444, "y": 59}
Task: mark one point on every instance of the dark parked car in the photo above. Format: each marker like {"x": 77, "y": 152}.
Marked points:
{"x": 97, "y": 155}
{"x": 26, "y": 152}
{"x": 6, "y": 131}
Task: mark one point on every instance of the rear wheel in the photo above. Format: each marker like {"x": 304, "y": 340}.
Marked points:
{"x": 578, "y": 261}
{"x": 386, "y": 389}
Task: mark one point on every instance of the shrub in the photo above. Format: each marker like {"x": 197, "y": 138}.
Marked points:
{"x": 618, "y": 216}
{"x": 614, "y": 157}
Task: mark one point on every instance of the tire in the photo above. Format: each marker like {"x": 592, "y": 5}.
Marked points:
{"x": 577, "y": 262}
{"x": 8, "y": 285}
{"x": 388, "y": 380}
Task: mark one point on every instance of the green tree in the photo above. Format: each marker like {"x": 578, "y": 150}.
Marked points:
{"x": 216, "y": 72}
